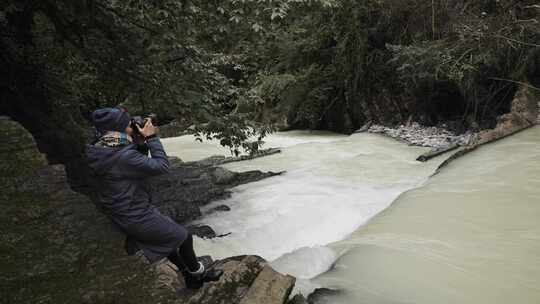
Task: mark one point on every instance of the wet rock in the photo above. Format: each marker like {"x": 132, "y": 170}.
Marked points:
{"x": 239, "y": 274}
{"x": 270, "y": 287}
{"x": 322, "y": 296}
{"x": 298, "y": 299}
{"x": 180, "y": 193}
{"x": 222, "y": 176}
{"x": 203, "y": 231}
{"x": 222, "y": 208}
{"x": 246, "y": 280}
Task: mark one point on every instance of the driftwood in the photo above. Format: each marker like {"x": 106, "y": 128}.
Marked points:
{"x": 436, "y": 152}
{"x": 481, "y": 142}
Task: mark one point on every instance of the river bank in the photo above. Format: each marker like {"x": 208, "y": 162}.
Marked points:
{"x": 417, "y": 135}
{"x": 349, "y": 179}
{"x": 57, "y": 248}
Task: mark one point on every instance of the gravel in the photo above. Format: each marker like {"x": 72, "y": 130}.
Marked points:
{"x": 418, "y": 135}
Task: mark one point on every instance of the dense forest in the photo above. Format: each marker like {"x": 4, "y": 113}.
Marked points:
{"x": 451, "y": 75}
{"x": 235, "y": 70}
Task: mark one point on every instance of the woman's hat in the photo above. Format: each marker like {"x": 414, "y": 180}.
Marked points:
{"x": 111, "y": 119}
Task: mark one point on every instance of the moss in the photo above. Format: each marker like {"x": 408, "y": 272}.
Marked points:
{"x": 52, "y": 258}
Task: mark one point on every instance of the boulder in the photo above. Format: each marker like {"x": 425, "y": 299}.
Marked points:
{"x": 239, "y": 274}
{"x": 246, "y": 280}
{"x": 19, "y": 154}
{"x": 222, "y": 208}
{"x": 270, "y": 287}
{"x": 187, "y": 186}
{"x": 56, "y": 247}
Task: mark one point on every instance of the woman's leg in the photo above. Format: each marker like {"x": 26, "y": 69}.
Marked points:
{"x": 194, "y": 272}
{"x": 185, "y": 256}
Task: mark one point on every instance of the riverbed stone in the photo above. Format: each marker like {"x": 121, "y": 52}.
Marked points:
{"x": 239, "y": 274}
{"x": 323, "y": 296}
{"x": 202, "y": 231}
{"x": 270, "y": 287}
{"x": 298, "y": 299}
{"x": 222, "y": 208}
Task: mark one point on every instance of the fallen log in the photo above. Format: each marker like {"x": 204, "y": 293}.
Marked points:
{"x": 436, "y": 152}
{"x": 523, "y": 115}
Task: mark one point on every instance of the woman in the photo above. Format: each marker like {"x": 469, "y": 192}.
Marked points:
{"x": 120, "y": 167}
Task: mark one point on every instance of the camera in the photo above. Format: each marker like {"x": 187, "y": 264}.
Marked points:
{"x": 140, "y": 121}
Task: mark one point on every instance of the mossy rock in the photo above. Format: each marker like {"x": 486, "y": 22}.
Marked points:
{"x": 19, "y": 155}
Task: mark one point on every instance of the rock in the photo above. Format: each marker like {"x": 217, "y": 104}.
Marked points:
{"x": 322, "y": 296}
{"x": 167, "y": 275}
{"x": 187, "y": 186}
{"x": 270, "y": 287}
{"x": 222, "y": 176}
{"x": 80, "y": 257}
{"x": 19, "y": 153}
{"x": 239, "y": 274}
{"x": 298, "y": 299}
{"x": 246, "y": 280}
{"x": 222, "y": 208}
{"x": 202, "y": 231}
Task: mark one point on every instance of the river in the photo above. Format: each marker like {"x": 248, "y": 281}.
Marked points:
{"x": 359, "y": 214}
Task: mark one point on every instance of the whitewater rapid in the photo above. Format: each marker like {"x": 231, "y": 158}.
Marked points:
{"x": 333, "y": 184}
{"x": 359, "y": 214}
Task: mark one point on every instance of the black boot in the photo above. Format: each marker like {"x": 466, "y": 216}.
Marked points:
{"x": 195, "y": 280}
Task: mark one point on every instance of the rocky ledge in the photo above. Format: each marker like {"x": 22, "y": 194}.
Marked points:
{"x": 57, "y": 248}
{"x": 524, "y": 113}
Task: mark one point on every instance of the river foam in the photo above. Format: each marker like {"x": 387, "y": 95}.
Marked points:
{"x": 333, "y": 185}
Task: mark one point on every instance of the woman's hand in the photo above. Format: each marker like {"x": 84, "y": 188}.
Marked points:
{"x": 148, "y": 129}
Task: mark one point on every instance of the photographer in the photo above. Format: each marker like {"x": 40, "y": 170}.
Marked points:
{"x": 120, "y": 167}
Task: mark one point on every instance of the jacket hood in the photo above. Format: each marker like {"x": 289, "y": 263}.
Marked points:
{"x": 101, "y": 159}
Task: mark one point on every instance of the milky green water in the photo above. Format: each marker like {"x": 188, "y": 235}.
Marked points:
{"x": 471, "y": 234}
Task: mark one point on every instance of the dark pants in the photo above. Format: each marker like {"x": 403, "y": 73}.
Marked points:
{"x": 185, "y": 256}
